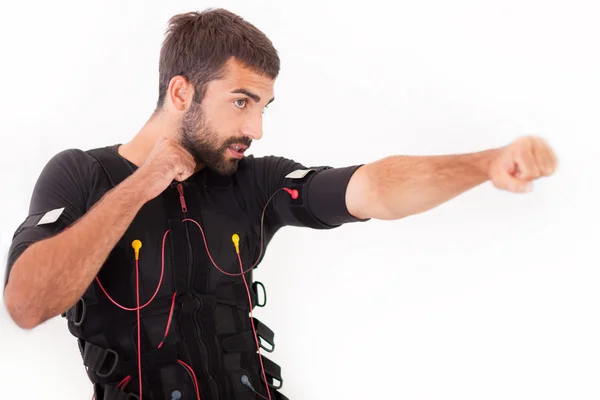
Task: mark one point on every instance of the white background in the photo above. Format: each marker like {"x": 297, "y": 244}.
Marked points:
{"x": 489, "y": 296}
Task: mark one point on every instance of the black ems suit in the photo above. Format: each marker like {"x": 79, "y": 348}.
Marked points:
{"x": 197, "y": 327}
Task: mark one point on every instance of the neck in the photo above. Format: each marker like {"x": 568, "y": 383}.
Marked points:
{"x": 140, "y": 146}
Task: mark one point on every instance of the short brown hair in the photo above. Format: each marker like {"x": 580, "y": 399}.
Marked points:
{"x": 198, "y": 44}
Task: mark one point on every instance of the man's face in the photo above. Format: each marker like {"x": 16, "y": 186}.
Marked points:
{"x": 219, "y": 130}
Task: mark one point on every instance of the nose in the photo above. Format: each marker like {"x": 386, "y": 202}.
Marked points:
{"x": 253, "y": 127}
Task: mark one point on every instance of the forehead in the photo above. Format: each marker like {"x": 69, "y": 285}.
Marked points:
{"x": 238, "y": 76}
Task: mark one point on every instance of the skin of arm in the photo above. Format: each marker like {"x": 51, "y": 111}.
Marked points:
{"x": 396, "y": 187}
{"x": 52, "y": 274}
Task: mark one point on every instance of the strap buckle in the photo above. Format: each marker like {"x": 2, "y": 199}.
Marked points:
{"x": 245, "y": 341}
{"x": 103, "y": 362}
{"x": 255, "y": 286}
{"x": 266, "y": 334}
{"x": 272, "y": 371}
{"x": 76, "y": 314}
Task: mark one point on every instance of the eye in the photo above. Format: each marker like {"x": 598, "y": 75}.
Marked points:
{"x": 240, "y": 103}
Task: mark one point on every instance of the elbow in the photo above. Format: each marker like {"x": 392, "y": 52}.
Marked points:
{"x": 19, "y": 310}
{"x": 26, "y": 323}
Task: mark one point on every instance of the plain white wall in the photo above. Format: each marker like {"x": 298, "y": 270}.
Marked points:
{"x": 490, "y": 296}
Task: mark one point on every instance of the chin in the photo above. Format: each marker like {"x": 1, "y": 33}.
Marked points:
{"x": 227, "y": 168}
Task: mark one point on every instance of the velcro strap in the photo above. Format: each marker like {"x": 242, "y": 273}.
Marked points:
{"x": 236, "y": 295}
{"x": 245, "y": 341}
{"x": 106, "y": 362}
{"x": 266, "y": 334}
{"x": 273, "y": 372}
{"x": 98, "y": 359}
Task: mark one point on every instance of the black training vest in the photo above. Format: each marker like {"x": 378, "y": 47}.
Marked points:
{"x": 207, "y": 312}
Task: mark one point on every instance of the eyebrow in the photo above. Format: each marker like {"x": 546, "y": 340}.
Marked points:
{"x": 254, "y": 97}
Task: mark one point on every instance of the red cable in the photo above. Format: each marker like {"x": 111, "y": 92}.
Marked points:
{"x": 294, "y": 195}
{"x": 253, "y": 328}
{"x": 194, "y": 375}
{"x": 262, "y": 218}
{"x": 162, "y": 272}
{"x": 168, "y": 322}
{"x": 126, "y": 380}
{"x": 139, "y": 347}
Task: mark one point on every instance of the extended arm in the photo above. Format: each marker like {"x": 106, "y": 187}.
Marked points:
{"x": 398, "y": 186}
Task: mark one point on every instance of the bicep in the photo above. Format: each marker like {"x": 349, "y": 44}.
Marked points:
{"x": 58, "y": 199}
{"x": 361, "y": 195}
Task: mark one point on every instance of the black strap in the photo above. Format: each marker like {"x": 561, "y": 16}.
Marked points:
{"x": 116, "y": 168}
{"x": 107, "y": 363}
{"x": 103, "y": 362}
{"x": 299, "y": 206}
{"x": 265, "y": 333}
{"x": 273, "y": 372}
{"x": 31, "y": 220}
{"x": 245, "y": 341}
{"x": 235, "y": 294}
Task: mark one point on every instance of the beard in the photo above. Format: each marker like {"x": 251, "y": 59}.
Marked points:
{"x": 202, "y": 142}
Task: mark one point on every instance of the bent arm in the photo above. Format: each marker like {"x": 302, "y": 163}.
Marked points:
{"x": 52, "y": 274}
{"x": 399, "y": 186}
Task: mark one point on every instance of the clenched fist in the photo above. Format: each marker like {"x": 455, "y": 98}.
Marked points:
{"x": 518, "y": 164}
{"x": 166, "y": 162}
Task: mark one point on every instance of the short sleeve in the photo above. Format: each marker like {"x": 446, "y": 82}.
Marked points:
{"x": 58, "y": 200}
{"x": 324, "y": 192}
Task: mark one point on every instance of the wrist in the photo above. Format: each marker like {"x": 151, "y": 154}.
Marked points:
{"x": 485, "y": 159}
{"x": 135, "y": 187}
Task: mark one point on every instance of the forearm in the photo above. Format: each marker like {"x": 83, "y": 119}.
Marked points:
{"x": 399, "y": 186}
{"x": 51, "y": 275}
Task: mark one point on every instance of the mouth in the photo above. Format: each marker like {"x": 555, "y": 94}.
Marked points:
{"x": 237, "y": 150}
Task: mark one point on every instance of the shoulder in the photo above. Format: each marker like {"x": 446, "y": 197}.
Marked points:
{"x": 70, "y": 163}
{"x": 269, "y": 160}
{"x": 76, "y": 162}
{"x": 71, "y": 173}
{"x": 268, "y": 167}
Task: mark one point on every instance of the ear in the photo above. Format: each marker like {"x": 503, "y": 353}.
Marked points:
{"x": 180, "y": 92}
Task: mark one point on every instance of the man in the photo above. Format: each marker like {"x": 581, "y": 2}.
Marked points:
{"x": 147, "y": 248}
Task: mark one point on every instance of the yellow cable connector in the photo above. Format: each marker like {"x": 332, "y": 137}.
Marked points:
{"x": 137, "y": 245}
{"x": 236, "y": 242}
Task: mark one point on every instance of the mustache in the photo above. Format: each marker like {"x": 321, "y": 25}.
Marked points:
{"x": 244, "y": 140}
